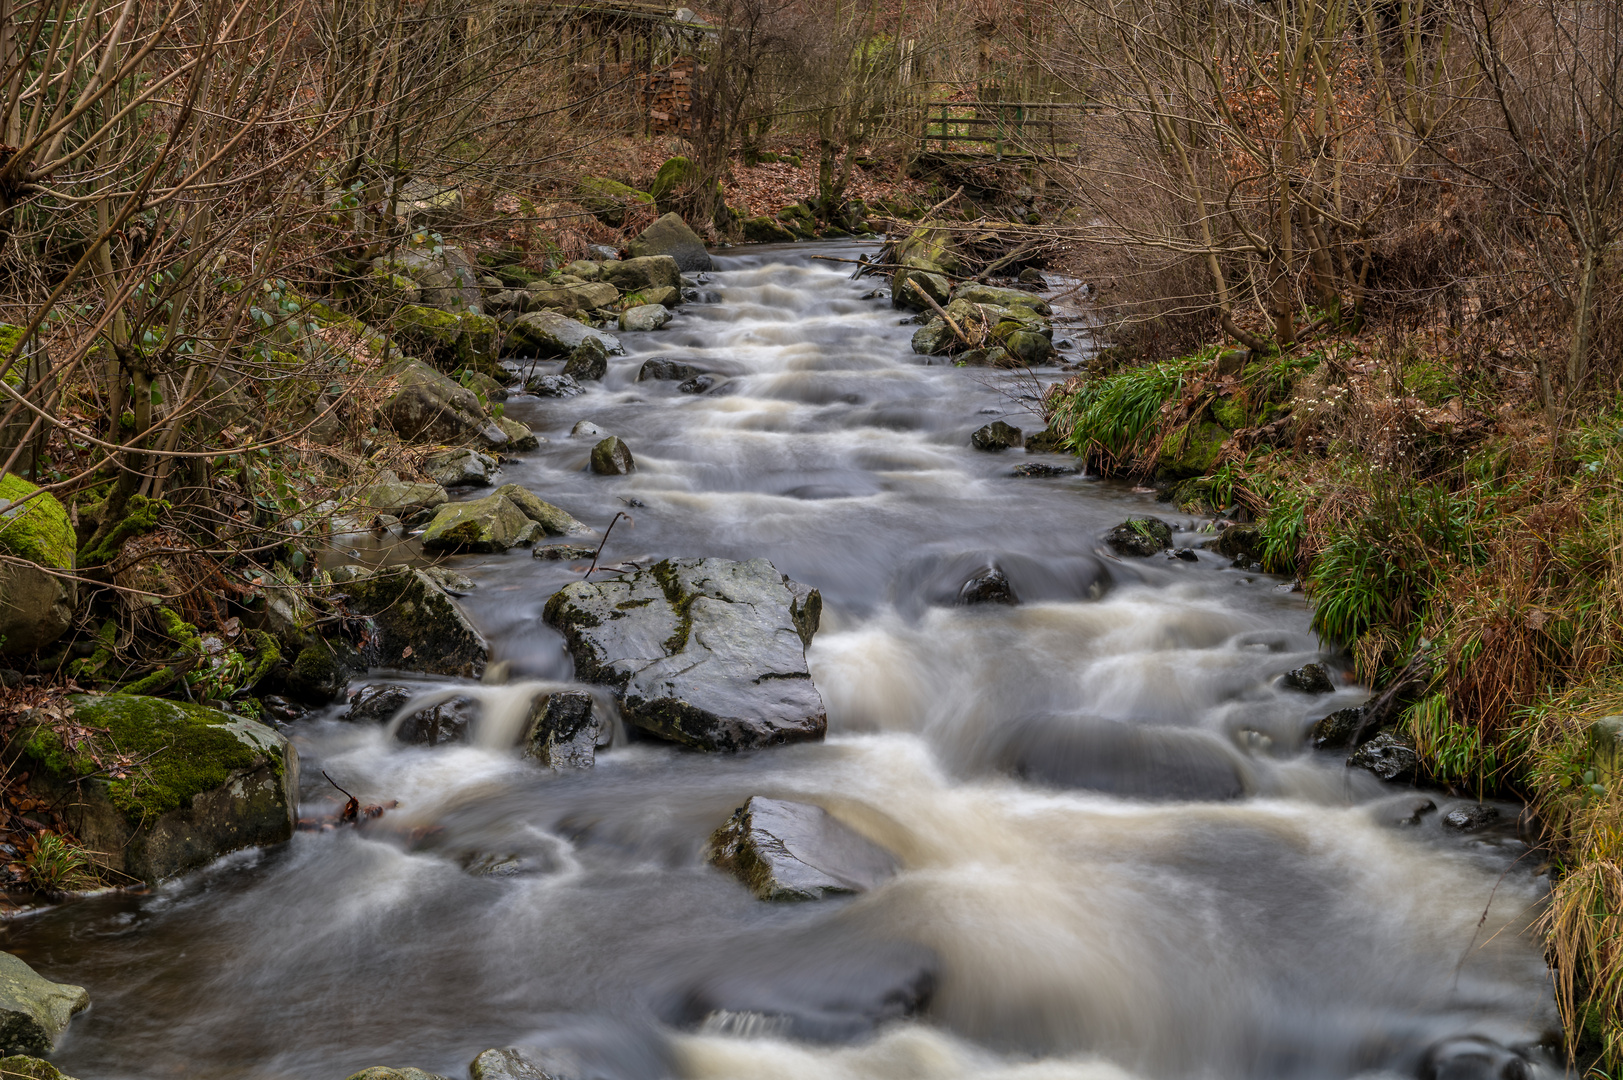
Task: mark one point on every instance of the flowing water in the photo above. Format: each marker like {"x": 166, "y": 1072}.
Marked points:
{"x": 1118, "y": 857}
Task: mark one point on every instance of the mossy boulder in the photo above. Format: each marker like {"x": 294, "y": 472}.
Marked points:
{"x": 911, "y": 284}
{"x": 643, "y": 273}
{"x": 451, "y": 341}
{"x": 764, "y": 230}
{"x": 428, "y": 406}
{"x": 553, "y": 521}
{"x": 34, "y": 1011}
{"x": 547, "y": 334}
{"x": 571, "y": 299}
{"x": 976, "y": 293}
{"x": 644, "y": 318}
{"x": 488, "y": 525}
{"x": 612, "y": 457}
{"x": 609, "y": 200}
{"x": 671, "y": 236}
{"x": 1140, "y": 537}
{"x": 194, "y": 784}
{"x": 36, "y": 607}
{"x": 934, "y": 245}
{"x": 20, "y": 1067}
{"x": 408, "y": 501}
{"x": 675, "y": 177}
{"x": 421, "y": 628}
{"x": 1192, "y": 450}
{"x": 1229, "y": 413}
{"x": 997, "y": 435}
{"x": 519, "y": 436}
{"x": 1242, "y": 543}
{"x": 934, "y": 338}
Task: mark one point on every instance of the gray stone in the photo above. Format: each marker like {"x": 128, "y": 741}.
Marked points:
{"x": 588, "y": 362}
{"x": 209, "y": 783}
{"x": 428, "y": 406}
{"x": 664, "y": 368}
{"x": 639, "y": 275}
{"x": 33, "y": 1009}
{"x": 1471, "y": 818}
{"x": 671, "y": 236}
{"x": 910, "y": 286}
{"x": 1125, "y": 759}
{"x": 699, "y": 384}
{"x": 797, "y": 851}
{"x": 553, "y": 521}
{"x": 454, "y": 468}
{"x": 519, "y": 436}
{"x": 437, "y": 725}
{"x": 991, "y": 587}
{"x": 997, "y": 436}
{"x": 447, "y": 281}
{"x": 1308, "y": 679}
{"x": 563, "y": 552}
{"x": 934, "y": 338}
{"x": 424, "y": 202}
{"x": 389, "y": 1072}
{"x": 644, "y": 318}
{"x": 406, "y": 501}
{"x": 1390, "y": 755}
{"x": 585, "y": 269}
{"x": 546, "y": 333}
{"x": 1005, "y": 298}
{"x": 585, "y": 429}
{"x": 612, "y": 457}
{"x": 706, "y": 652}
{"x": 1341, "y": 728}
{"x": 376, "y": 703}
{"x": 36, "y": 608}
{"x": 564, "y": 731}
{"x": 509, "y": 1063}
{"x": 421, "y": 628}
{"x": 489, "y": 524}
{"x": 559, "y": 386}
{"x": 1140, "y": 537}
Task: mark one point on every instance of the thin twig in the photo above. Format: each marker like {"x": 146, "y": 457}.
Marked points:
{"x": 605, "y": 540}
{"x": 334, "y": 783}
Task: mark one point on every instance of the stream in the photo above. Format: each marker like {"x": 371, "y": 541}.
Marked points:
{"x": 1118, "y": 856}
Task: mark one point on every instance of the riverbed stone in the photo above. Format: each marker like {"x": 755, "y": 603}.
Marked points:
{"x": 420, "y": 626}
{"x": 558, "y": 386}
{"x": 797, "y": 851}
{"x": 589, "y": 361}
{"x": 519, "y": 436}
{"x": 665, "y": 369}
{"x": 612, "y": 457}
{"x": 553, "y": 521}
{"x": 546, "y": 333}
{"x": 437, "y": 725}
{"x": 487, "y": 525}
{"x": 910, "y": 286}
{"x": 207, "y": 783}
{"x": 563, "y": 731}
{"x": 1308, "y": 679}
{"x": 408, "y": 501}
{"x": 1242, "y": 543}
{"x": 1390, "y": 755}
{"x": 997, "y": 436}
{"x": 1140, "y": 537}
{"x": 508, "y": 1063}
{"x": 705, "y": 652}
{"x": 464, "y": 467}
{"x": 976, "y": 293}
{"x": 671, "y": 236}
{"x": 22, "y": 1067}
{"x": 1341, "y": 728}
{"x": 428, "y": 406}
{"x": 390, "y": 1072}
{"x": 375, "y": 703}
{"x": 644, "y": 318}
{"x": 1471, "y": 818}
{"x": 1142, "y": 761}
{"x": 990, "y": 587}
{"x": 34, "y": 1011}
{"x": 639, "y": 275}
{"x": 36, "y": 607}
{"x": 934, "y": 338}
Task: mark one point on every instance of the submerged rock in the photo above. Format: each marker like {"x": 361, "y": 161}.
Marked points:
{"x": 564, "y": 731}
{"x": 997, "y": 436}
{"x": 421, "y": 628}
{"x": 1308, "y": 679}
{"x": 1471, "y": 818}
{"x": 706, "y": 652}
{"x": 663, "y": 367}
{"x": 209, "y": 783}
{"x": 1140, "y": 537}
{"x": 1042, "y": 468}
{"x": 992, "y": 587}
{"x": 797, "y": 851}
{"x": 1472, "y": 1057}
{"x": 1390, "y": 755}
{"x": 377, "y": 703}
{"x": 559, "y": 386}
{"x": 612, "y": 457}
{"x": 697, "y": 385}
{"x": 447, "y": 722}
{"x": 34, "y": 1011}
{"x": 1130, "y": 760}
{"x": 388, "y": 1072}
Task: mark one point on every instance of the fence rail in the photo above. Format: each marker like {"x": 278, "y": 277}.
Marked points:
{"x": 1002, "y": 129}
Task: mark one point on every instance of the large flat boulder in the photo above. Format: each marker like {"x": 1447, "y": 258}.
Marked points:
{"x": 36, "y": 607}
{"x": 797, "y": 851}
{"x": 33, "y": 1009}
{"x": 197, "y": 784}
{"x": 705, "y": 652}
{"x": 421, "y": 627}
{"x": 489, "y": 524}
{"x": 671, "y": 236}
{"x": 640, "y": 275}
{"x": 546, "y": 333}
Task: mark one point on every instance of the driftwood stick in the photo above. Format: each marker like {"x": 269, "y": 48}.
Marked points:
{"x": 939, "y": 310}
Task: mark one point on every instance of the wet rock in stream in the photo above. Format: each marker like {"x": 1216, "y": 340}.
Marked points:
{"x": 1390, "y": 755}
{"x": 705, "y": 652}
{"x": 34, "y": 1011}
{"x": 1140, "y": 537}
{"x": 20, "y": 1067}
{"x": 612, "y": 457}
{"x": 1119, "y": 758}
{"x": 509, "y": 1063}
{"x": 797, "y": 851}
{"x": 1342, "y": 728}
{"x": 1471, "y": 818}
{"x": 992, "y": 587}
{"x": 422, "y": 628}
{"x": 1474, "y": 1058}
{"x": 1308, "y": 679}
{"x": 665, "y": 369}
{"x": 997, "y": 436}
{"x": 386, "y": 1072}
{"x": 564, "y": 731}
{"x": 557, "y": 386}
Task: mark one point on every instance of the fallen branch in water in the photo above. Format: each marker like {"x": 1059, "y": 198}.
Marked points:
{"x": 599, "y": 551}
{"x": 941, "y": 311}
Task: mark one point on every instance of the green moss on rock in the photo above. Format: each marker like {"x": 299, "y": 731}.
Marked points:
{"x": 1191, "y": 451}
{"x": 38, "y": 531}
{"x": 609, "y": 200}
{"x": 18, "y": 1067}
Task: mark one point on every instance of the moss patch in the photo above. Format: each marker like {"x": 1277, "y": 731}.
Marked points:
{"x": 184, "y": 750}
{"x": 141, "y": 516}
{"x": 38, "y": 531}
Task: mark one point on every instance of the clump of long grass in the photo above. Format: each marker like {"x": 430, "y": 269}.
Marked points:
{"x": 58, "y": 865}
{"x": 1113, "y": 421}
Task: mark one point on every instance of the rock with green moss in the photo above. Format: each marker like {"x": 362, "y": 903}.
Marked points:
{"x": 644, "y": 318}
{"x": 36, "y": 607}
{"x": 1192, "y": 450}
{"x": 1229, "y": 413}
{"x": 671, "y": 236}
{"x": 1242, "y": 543}
{"x": 483, "y": 525}
{"x": 406, "y": 500}
{"x": 910, "y": 286}
{"x": 675, "y": 177}
{"x": 193, "y": 784}
{"x": 460, "y": 468}
{"x": 976, "y": 293}
{"x": 705, "y": 652}
{"x": 997, "y": 436}
{"x": 34, "y": 1011}
{"x": 1140, "y": 537}
{"x": 609, "y": 200}
{"x": 612, "y": 457}
{"x": 447, "y": 279}
{"x": 935, "y": 245}
{"x": 390, "y": 1072}
{"x": 571, "y": 300}
{"x": 546, "y": 334}
{"x": 934, "y": 338}
{"x": 20, "y": 1067}
{"x": 1026, "y": 346}
{"x": 452, "y": 341}
{"x": 519, "y": 437}
{"x": 640, "y": 275}
{"x": 588, "y": 362}
{"x": 420, "y": 626}
{"x": 553, "y": 521}
{"x": 764, "y": 230}
{"x": 797, "y": 851}
{"x": 426, "y": 405}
